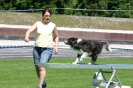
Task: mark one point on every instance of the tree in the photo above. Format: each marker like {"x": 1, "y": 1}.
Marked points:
{"x": 83, "y": 7}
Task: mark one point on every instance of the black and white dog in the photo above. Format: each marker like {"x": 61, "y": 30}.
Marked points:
{"x": 87, "y": 48}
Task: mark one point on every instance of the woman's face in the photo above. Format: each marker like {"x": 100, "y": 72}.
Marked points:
{"x": 46, "y": 17}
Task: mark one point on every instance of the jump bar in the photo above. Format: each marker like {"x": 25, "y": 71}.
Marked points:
{"x": 15, "y": 46}
{"x": 97, "y": 66}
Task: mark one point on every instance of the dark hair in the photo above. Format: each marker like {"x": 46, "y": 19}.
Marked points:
{"x": 46, "y": 10}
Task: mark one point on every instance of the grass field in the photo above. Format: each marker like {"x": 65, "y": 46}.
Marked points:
{"x": 15, "y": 18}
{"x": 21, "y": 74}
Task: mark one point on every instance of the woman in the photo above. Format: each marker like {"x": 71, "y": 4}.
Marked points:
{"x": 46, "y": 31}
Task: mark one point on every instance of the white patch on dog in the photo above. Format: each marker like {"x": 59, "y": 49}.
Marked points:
{"x": 79, "y": 40}
{"x": 77, "y": 51}
{"x": 76, "y": 61}
{"x": 84, "y": 55}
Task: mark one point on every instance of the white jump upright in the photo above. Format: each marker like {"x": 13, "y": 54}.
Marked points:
{"x": 107, "y": 82}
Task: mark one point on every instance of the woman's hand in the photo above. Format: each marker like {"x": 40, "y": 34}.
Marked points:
{"x": 56, "y": 50}
{"x": 27, "y": 40}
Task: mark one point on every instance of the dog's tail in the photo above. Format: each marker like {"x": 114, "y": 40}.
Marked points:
{"x": 106, "y": 46}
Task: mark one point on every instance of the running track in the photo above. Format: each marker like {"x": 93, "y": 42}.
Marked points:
{"x": 63, "y": 52}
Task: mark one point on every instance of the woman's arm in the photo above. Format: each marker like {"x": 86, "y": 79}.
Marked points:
{"x": 34, "y": 27}
{"x": 56, "y": 39}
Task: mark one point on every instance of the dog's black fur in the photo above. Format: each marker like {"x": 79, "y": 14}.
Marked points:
{"x": 86, "y": 48}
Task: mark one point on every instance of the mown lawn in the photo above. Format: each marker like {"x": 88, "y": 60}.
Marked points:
{"x": 21, "y": 74}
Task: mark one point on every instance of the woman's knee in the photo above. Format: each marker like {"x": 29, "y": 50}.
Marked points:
{"x": 41, "y": 68}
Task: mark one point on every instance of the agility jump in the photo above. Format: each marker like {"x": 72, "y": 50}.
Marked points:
{"x": 97, "y": 66}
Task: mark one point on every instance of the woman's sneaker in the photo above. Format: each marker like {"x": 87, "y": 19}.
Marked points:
{"x": 44, "y": 85}
{"x": 40, "y": 86}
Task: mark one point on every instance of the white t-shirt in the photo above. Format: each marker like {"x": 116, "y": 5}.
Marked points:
{"x": 44, "y": 34}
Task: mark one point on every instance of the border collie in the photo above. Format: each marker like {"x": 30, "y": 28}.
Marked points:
{"x": 86, "y": 48}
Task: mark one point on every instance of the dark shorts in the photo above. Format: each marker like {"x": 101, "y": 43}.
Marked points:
{"x": 42, "y": 55}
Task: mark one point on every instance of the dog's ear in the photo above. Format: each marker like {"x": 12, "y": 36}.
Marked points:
{"x": 75, "y": 38}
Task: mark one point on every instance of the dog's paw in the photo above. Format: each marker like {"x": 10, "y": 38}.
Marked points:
{"x": 74, "y": 63}
{"x": 91, "y": 63}
{"x": 81, "y": 59}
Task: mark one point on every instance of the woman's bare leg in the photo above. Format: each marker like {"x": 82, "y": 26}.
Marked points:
{"x": 41, "y": 73}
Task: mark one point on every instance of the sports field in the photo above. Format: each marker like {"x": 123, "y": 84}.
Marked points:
{"x": 21, "y": 74}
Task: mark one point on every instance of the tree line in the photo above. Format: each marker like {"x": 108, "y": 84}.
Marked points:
{"x": 105, "y": 8}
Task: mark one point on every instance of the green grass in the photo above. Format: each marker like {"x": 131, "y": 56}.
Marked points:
{"x": 67, "y": 21}
{"x": 21, "y": 74}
